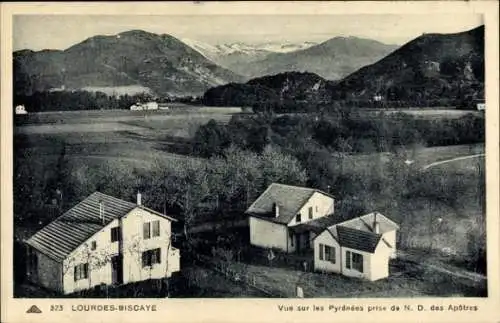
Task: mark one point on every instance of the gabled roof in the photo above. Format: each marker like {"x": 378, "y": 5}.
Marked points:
{"x": 357, "y": 239}
{"x": 290, "y": 199}
{"x": 63, "y": 235}
{"x": 359, "y": 233}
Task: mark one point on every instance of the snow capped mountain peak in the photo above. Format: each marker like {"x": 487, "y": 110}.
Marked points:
{"x": 216, "y": 51}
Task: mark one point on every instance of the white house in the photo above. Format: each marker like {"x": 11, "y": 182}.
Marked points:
{"x": 102, "y": 240}
{"x": 287, "y": 218}
{"x": 20, "y": 109}
{"x": 360, "y": 247}
{"x": 144, "y": 106}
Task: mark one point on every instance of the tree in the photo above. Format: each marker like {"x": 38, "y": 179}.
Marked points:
{"x": 186, "y": 185}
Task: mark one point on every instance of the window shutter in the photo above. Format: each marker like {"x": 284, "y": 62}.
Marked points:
{"x": 76, "y": 273}
{"x": 146, "y": 230}
{"x": 334, "y": 255}
{"x": 156, "y": 228}
{"x": 320, "y": 251}
{"x": 144, "y": 259}
{"x": 86, "y": 270}
{"x": 348, "y": 260}
{"x": 310, "y": 212}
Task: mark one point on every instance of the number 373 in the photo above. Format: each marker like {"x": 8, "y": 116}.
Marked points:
{"x": 56, "y": 308}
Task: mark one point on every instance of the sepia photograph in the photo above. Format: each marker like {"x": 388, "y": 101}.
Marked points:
{"x": 260, "y": 156}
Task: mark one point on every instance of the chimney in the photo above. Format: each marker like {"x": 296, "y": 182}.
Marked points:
{"x": 276, "y": 209}
{"x": 139, "y": 196}
{"x": 376, "y": 225}
{"x": 101, "y": 211}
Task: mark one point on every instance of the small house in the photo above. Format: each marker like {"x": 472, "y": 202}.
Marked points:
{"x": 360, "y": 247}
{"x": 287, "y": 218}
{"x": 102, "y": 240}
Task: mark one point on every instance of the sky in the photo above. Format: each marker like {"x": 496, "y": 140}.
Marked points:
{"x": 38, "y": 32}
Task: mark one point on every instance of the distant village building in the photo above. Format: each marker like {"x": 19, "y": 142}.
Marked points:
{"x": 296, "y": 219}
{"x": 144, "y": 106}
{"x": 377, "y": 98}
{"x": 102, "y": 240}
{"x": 20, "y": 109}
{"x": 480, "y": 105}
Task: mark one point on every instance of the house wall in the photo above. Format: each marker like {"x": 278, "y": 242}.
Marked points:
{"x": 324, "y": 265}
{"x": 98, "y": 273}
{"x": 380, "y": 262}
{"x": 267, "y": 234}
{"x": 390, "y": 237}
{"x": 321, "y": 204}
{"x": 132, "y": 246}
{"x": 135, "y": 245}
{"x": 48, "y": 272}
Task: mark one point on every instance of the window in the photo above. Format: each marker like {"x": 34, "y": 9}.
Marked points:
{"x": 115, "y": 234}
{"x": 321, "y": 247}
{"x": 151, "y": 229}
{"x": 156, "y": 228}
{"x": 93, "y": 245}
{"x": 151, "y": 257}
{"x": 146, "y": 230}
{"x": 298, "y": 218}
{"x": 354, "y": 261}
{"x": 310, "y": 212}
{"x": 357, "y": 262}
{"x": 81, "y": 271}
{"x": 330, "y": 254}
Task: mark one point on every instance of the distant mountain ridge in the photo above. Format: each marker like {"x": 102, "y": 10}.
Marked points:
{"x": 234, "y": 56}
{"x": 161, "y": 63}
{"x": 430, "y": 69}
{"x": 332, "y": 59}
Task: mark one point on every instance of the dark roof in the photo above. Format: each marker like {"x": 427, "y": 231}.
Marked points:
{"x": 316, "y": 225}
{"x": 366, "y": 223}
{"x": 63, "y": 235}
{"x": 357, "y": 239}
{"x": 290, "y": 199}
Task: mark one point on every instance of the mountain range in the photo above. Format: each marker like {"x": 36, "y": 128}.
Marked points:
{"x": 432, "y": 67}
{"x": 158, "y": 63}
{"x": 239, "y": 56}
{"x": 332, "y": 59}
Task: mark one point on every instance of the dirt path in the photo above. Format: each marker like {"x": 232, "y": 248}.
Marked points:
{"x": 445, "y": 269}
{"x": 451, "y": 160}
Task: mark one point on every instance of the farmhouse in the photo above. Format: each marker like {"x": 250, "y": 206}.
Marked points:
{"x": 102, "y": 240}
{"x": 360, "y": 247}
{"x": 287, "y": 218}
{"x": 144, "y": 106}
